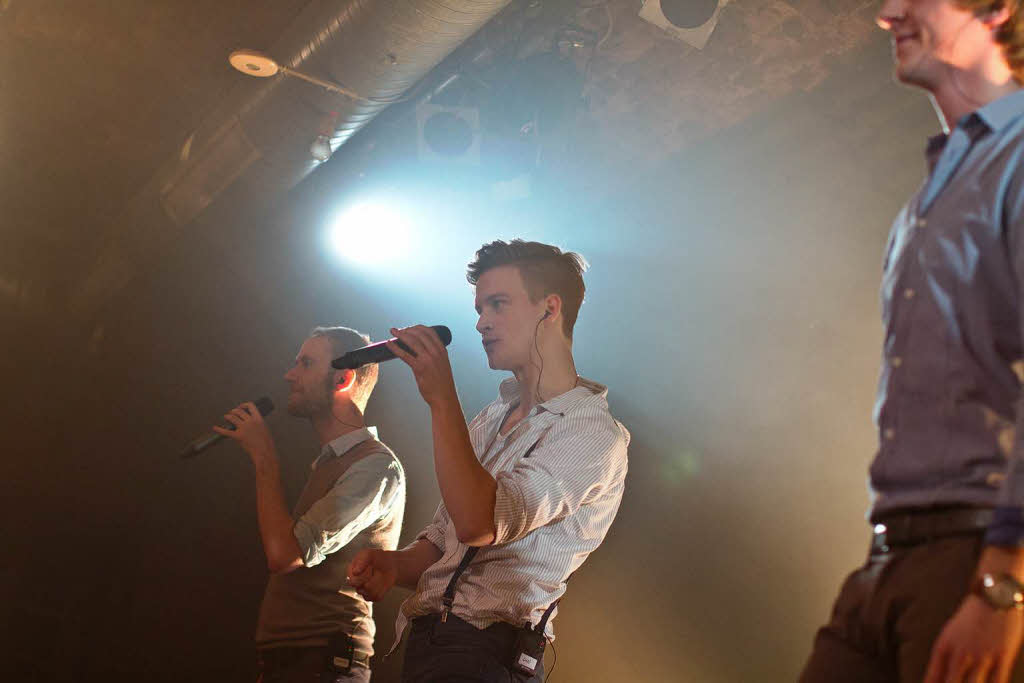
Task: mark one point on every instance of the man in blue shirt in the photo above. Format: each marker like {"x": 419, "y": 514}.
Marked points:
{"x": 314, "y": 627}
{"x": 939, "y": 597}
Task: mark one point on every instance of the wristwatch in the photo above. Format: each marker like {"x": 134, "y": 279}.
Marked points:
{"x": 1000, "y": 591}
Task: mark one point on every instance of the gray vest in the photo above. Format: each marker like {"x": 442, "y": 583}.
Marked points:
{"x": 304, "y": 607}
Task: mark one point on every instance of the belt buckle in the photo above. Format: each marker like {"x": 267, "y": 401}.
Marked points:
{"x": 880, "y": 539}
{"x": 898, "y": 530}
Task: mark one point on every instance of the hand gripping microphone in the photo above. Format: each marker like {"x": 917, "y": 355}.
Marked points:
{"x": 377, "y": 352}
{"x": 264, "y": 405}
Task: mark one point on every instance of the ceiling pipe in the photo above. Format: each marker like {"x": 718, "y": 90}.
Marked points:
{"x": 257, "y": 140}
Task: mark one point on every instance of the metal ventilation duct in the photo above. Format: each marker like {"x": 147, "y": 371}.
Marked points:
{"x": 257, "y": 140}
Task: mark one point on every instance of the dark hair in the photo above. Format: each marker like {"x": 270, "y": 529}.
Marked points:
{"x": 343, "y": 340}
{"x": 545, "y": 269}
{"x": 1010, "y": 35}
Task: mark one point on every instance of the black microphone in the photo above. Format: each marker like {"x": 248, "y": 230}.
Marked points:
{"x": 264, "y": 405}
{"x": 377, "y": 352}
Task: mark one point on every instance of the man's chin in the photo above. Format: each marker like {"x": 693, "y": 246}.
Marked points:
{"x": 906, "y": 73}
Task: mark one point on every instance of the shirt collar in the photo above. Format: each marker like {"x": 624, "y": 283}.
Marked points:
{"x": 1002, "y": 112}
{"x": 508, "y": 393}
{"x": 346, "y": 442}
{"x": 993, "y": 117}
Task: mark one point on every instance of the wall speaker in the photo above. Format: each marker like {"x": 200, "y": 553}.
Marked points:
{"x": 448, "y": 133}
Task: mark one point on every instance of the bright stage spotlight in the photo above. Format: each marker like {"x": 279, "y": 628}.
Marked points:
{"x": 371, "y": 234}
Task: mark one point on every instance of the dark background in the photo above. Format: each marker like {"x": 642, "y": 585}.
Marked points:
{"x": 731, "y": 309}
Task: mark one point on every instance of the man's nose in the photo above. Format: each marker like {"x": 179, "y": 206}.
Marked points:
{"x": 890, "y": 13}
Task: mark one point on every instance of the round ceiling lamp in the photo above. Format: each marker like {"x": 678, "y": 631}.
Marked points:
{"x": 253, "y": 63}
{"x": 689, "y": 13}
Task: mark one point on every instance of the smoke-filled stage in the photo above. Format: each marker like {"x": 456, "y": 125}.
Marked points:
{"x": 535, "y": 341}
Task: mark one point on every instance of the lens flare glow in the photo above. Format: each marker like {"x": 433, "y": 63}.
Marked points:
{"x": 371, "y": 234}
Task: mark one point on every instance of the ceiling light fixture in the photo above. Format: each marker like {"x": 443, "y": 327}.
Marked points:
{"x": 254, "y": 63}
{"x": 691, "y": 21}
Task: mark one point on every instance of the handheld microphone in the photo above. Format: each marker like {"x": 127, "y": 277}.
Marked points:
{"x": 264, "y": 405}
{"x": 377, "y": 352}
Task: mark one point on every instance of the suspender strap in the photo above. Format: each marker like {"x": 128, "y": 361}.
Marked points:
{"x": 448, "y": 599}
{"x": 539, "y": 628}
{"x": 449, "y": 593}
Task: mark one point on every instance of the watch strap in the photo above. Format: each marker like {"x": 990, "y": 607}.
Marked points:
{"x": 999, "y": 591}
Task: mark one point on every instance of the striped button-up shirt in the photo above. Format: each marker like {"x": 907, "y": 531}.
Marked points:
{"x": 362, "y": 508}
{"x": 560, "y": 474}
{"x": 371, "y": 489}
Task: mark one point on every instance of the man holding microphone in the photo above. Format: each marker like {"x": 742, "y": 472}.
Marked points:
{"x": 313, "y": 627}
{"x": 529, "y": 488}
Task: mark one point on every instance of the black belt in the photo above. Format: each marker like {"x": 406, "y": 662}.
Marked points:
{"x": 428, "y": 622}
{"x": 273, "y": 659}
{"x": 922, "y": 526}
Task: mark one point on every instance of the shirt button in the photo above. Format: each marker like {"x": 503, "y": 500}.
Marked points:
{"x": 908, "y": 293}
{"x": 889, "y": 433}
{"x": 922, "y": 222}
{"x": 895, "y": 361}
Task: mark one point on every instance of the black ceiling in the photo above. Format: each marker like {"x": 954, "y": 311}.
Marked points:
{"x": 100, "y": 93}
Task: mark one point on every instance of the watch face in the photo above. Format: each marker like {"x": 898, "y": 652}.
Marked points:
{"x": 1002, "y": 593}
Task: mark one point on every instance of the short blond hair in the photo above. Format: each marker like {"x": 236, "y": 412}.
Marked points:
{"x": 343, "y": 340}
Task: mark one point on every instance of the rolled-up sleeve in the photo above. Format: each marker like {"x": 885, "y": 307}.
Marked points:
{"x": 580, "y": 460}
{"x": 361, "y": 496}
{"x": 435, "y": 531}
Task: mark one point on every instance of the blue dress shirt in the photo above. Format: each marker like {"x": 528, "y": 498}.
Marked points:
{"x": 948, "y": 408}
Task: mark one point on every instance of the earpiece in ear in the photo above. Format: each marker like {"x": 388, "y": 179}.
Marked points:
{"x": 547, "y": 314}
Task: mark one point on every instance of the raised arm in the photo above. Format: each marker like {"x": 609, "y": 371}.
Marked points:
{"x": 279, "y": 542}
{"x": 468, "y": 490}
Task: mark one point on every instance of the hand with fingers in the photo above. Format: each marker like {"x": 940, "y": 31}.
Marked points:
{"x": 373, "y": 572}
{"x": 429, "y": 361}
{"x": 250, "y": 431}
{"x": 978, "y": 644}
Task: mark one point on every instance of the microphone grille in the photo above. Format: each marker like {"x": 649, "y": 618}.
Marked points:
{"x": 444, "y": 333}
{"x": 264, "y": 405}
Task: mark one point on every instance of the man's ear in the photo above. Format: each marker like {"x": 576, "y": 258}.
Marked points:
{"x": 344, "y": 379}
{"x": 552, "y": 305}
{"x": 994, "y": 19}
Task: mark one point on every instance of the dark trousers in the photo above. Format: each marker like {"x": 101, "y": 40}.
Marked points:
{"x": 305, "y": 665}
{"x": 458, "y": 652}
{"x": 890, "y": 612}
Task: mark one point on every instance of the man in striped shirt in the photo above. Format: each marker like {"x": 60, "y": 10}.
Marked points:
{"x": 529, "y": 488}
